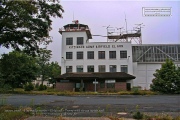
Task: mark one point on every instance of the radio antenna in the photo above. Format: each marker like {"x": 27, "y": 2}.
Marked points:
{"x": 125, "y": 21}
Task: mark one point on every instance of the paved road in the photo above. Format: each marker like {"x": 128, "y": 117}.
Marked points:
{"x": 91, "y": 100}
{"x": 155, "y": 103}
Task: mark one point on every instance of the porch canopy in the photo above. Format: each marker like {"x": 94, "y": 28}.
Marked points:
{"x": 96, "y": 75}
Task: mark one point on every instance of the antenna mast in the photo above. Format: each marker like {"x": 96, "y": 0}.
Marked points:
{"x": 125, "y": 21}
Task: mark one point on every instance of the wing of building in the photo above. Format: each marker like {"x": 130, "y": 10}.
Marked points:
{"x": 109, "y": 66}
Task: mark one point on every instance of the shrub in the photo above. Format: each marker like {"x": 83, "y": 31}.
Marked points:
{"x": 45, "y": 87}
{"x": 37, "y": 85}
{"x": 138, "y": 115}
{"x": 42, "y": 87}
{"x": 28, "y": 87}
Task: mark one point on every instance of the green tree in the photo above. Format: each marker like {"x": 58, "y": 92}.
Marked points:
{"x": 25, "y": 24}
{"x": 54, "y": 71}
{"x": 17, "y": 68}
{"x": 167, "y": 78}
{"x": 43, "y": 59}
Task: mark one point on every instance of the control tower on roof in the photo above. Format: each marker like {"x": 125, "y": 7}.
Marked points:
{"x": 76, "y": 27}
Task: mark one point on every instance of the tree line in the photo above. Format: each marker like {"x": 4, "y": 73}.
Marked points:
{"x": 25, "y": 27}
{"x": 17, "y": 68}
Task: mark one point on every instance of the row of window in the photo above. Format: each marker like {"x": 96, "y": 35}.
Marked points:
{"x": 101, "y": 55}
{"x": 80, "y": 41}
{"x": 101, "y": 68}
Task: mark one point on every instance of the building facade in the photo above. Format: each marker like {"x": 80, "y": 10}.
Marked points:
{"x": 113, "y": 65}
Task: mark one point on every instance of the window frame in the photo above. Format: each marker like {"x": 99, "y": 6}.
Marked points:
{"x": 90, "y": 67}
{"x": 101, "y": 68}
{"x": 112, "y": 55}
{"x": 80, "y": 42}
{"x": 68, "y": 56}
{"x": 68, "y": 68}
{"x": 69, "y": 41}
{"x": 124, "y": 66}
{"x": 78, "y": 67}
{"x": 112, "y": 67}
{"x": 101, "y": 55}
{"x": 123, "y": 55}
{"x": 90, "y": 56}
{"x": 78, "y": 55}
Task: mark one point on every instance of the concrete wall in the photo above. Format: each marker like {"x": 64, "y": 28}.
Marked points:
{"x": 95, "y": 46}
{"x": 144, "y": 74}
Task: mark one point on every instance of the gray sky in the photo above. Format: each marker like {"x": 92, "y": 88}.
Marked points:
{"x": 98, "y": 13}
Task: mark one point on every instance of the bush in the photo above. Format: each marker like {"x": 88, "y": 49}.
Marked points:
{"x": 42, "y": 87}
{"x": 5, "y": 88}
{"x": 37, "y": 85}
{"x": 28, "y": 87}
{"x": 138, "y": 115}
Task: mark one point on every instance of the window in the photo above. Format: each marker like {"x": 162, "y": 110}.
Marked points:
{"x": 90, "y": 55}
{"x": 79, "y": 40}
{"x": 101, "y": 54}
{"x": 69, "y": 41}
{"x": 69, "y": 55}
{"x": 112, "y": 68}
{"x": 79, "y": 55}
{"x": 112, "y": 54}
{"x": 90, "y": 68}
{"x": 124, "y": 68}
{"x": 123, "y": 54}
{"x": 102, "y": 85}
{"x": 68, "y": 69}
{"x": 102, "y": 68}
{"x": 64, "y": 81}
{"x": 79, "y": 68}
{"x": 110, "y": 83}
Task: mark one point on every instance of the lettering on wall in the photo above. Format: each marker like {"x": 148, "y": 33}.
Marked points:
{"x": 95, "y": 46}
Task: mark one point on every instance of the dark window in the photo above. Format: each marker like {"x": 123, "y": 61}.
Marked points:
{"x": 80, "y": 41}
{"x": 79, "y": 68}
{"x": 90, "y": 55}
{"x": 110, "y": 85}
{"x": 124, "y": 68}
{"x": 68, "y": 69}
{"x": 79, "y": 55}
{"x": 112, "y": 68}
{"x": 69, "y": 41}
{"x": 102, "y": 68}
{"x": 90, "y": 68}
{"x": 64, "y": 81}
{"x": 102, "y": 85}
{"x": 123, "y": 54}
{"x": 112, "y": 54}
{"x": 69, "y": 55}
{"x": 101, "y": 54}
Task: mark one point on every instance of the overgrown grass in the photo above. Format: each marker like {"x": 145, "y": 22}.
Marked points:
{"x": 51, "y": 91}
{"x": 8, "y": 112}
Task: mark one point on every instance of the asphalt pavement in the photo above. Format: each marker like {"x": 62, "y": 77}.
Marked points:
{"x": 90, "y": 105}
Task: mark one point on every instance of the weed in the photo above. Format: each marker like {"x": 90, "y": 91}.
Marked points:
{"x": 3, "y": 101}
{"x": 32, "y": 102}
{"x": 138, "y": 114}
{"x": 107, "y": 107}
{"x": 99, "y": 112}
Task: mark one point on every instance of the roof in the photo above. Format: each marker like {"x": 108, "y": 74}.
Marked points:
{"x": 96, "y": 75}
{"x": 76, "y": 25}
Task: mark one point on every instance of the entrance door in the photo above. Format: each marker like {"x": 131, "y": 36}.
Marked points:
{"x": 128, "y": 86}
{"x": 78, "y": 87}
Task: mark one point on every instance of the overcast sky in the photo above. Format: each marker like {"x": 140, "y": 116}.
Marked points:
{"x": 99, "y": 13}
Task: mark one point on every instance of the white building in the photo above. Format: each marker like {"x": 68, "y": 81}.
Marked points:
{"x": 79, "y": 55}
